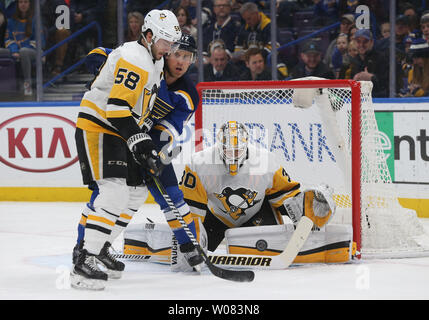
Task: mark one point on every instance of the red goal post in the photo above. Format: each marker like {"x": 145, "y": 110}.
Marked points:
{"x": 343, "y": 127}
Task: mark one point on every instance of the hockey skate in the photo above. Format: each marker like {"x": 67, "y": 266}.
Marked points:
{"x": 86, "y": 274}
{"x": 76, "y": 251}
{"x": 113, "y": 267}
{"x": 191, "y": 255}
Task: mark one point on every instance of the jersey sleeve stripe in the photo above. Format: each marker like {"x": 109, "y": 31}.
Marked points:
{"x": 118, "y": 102}
{"x": 98, "y": 51}
{"x": 196, "y": 204}
{"x": 88, "y": 104}
{"x": 118, "y": 114}
{"x": 91, "y": 124}
{"x": 187, "y": 98}
{"x": 282, "y": 192}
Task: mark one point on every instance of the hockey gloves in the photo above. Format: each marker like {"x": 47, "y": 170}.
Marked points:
{"x": 144, "y": 152}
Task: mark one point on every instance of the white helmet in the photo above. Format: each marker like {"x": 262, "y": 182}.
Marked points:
{"x": 231, "y": 144}
{"x": 163, "y": 24}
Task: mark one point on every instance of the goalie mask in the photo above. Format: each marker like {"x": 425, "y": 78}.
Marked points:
{"x": 231, "y": 144}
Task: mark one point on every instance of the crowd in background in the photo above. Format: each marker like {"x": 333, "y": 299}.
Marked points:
{"x": 237, "y": 38}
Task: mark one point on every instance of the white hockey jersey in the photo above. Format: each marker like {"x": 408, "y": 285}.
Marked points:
{"x": 125, "y": 86}
{"x": 206, "y": 185}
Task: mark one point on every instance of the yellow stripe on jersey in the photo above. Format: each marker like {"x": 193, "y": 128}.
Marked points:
{"x": 193, "y": 188}
{"x": 100, "y": 219}
{"x": 118, "y": 113}
{"x": 93, "y": 106}
{"x": 98, "y": 51}
{"x": 188, "y": 98}
{"x": 129, "y": 83}
{"x": 125, "y": 216}
{"x": 90, "y": 126}
{"x": 92, "y": 141}
{"x": 283, "y": 187}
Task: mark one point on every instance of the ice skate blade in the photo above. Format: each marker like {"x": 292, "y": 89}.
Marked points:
{"x": 79, "y": 282}
{"x": 113, "y": 274}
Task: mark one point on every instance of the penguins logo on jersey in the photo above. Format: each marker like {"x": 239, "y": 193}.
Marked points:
{"x": 235, "y": 202}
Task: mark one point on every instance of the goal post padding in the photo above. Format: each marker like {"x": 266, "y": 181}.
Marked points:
{"x": 332, "y": 137}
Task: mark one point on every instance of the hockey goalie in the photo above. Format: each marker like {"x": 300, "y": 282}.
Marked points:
{"x": 240, "y": 193}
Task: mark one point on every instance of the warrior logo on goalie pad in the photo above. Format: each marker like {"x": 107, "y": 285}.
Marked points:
{"x": 235, "y": 202}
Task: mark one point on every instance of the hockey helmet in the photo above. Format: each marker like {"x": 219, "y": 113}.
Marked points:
{"x": 187, "y": 43}
{"x": 232, "y": 140}
{"x": 163, "y": 24}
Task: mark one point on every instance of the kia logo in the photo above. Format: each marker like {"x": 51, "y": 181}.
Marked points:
{"x": 37, "y": 142}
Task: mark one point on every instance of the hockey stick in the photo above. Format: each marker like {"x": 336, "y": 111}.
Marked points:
{"x": 278, "y": 262}
{"x": 233, "y": 275}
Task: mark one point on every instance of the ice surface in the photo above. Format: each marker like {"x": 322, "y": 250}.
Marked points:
{"x": 36, "y": 240}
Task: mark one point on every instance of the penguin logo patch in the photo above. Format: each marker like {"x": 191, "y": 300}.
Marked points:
{"x": 236, "y": 202}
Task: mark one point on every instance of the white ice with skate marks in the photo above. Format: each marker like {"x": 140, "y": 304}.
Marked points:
{"x": 36, "y": 240}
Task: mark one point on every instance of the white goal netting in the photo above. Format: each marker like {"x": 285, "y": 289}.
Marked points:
{"x": 314, "y": 144}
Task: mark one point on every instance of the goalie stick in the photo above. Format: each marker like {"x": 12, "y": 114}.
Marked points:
{"x": 278, "y": 262}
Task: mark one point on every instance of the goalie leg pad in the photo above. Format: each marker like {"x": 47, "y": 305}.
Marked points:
{"x": 331, "y": 244}
{"x": 157, "y": 239}
{"x": 148, "y": 239}
{"x": 179, "y": 262}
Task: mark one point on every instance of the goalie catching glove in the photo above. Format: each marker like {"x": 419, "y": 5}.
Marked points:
{"x": 316, "y": 204}
{"x": 144, "y": 152}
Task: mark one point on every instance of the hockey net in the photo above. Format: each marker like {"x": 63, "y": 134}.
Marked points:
{"x": 323, "y": 131}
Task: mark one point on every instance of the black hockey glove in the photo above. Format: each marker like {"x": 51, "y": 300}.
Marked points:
{"x": 144, "y": 152}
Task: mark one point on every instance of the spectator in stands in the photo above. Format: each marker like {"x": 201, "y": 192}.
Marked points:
{"x": 418, "y": 76}
{"x": 385, "y": 30}
{"x": 326, "y": 11}
{"x": 83, "y": 13}
{"x": 402, "y": 31}
{"x": 185, "y": 23}
{"x": 408, "y": 9}
{"x": 134, "y": 28}
{"x": 220, "y": 68}
{"x": 340, "y": 53}
{"x": 352, "y": 52}
{"x": 8, "y": 7}
{"x": 352, "y": 32}
{"x": 3, "y": 26}
{"x": 256, "y": 32}
{"x": 311, "y": 63}
{"x": 21, "y": 41}
{"x": 191, "y": 6}
{"x": 255, "y": 66}
{"x": 346, "y": 23}
{"x": 55, "y": 35}
{"x": 424, "y": 26}
{"x": 370, "y": 65}
{"x": 141, "y": 6}
{"x": 224, "y": 27}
